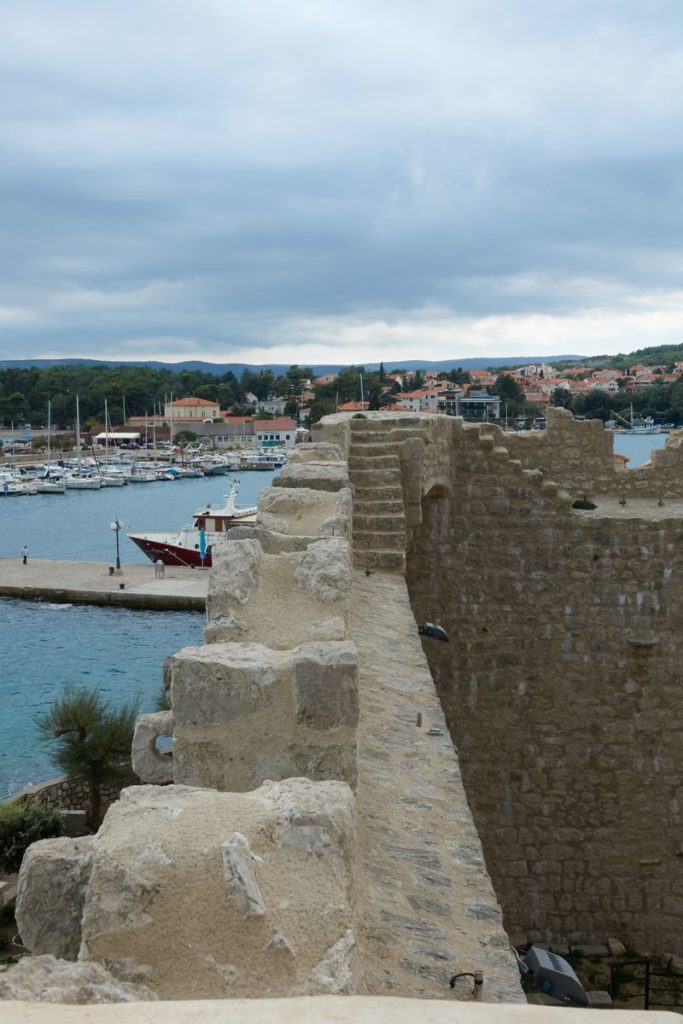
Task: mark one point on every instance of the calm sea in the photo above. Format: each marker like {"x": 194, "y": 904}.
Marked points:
{"x": 119, "y": 651}
{"x": 638, "y": 447}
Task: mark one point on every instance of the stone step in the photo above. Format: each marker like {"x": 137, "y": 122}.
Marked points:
{"x": 366, "y": 433}
{"x": 384, "y": 493}
{"x": 378, "y": 508}
{"x": 381, "y": 461}
{"x": 375, "y": 477}
{"x": 389, "y": 561}
{"x": 362, "y": 522}
{"x": 379, "y": 540}
{"x": 383, "y": 447}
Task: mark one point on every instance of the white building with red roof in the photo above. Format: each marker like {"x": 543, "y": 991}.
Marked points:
{"x": 192, "y": 409}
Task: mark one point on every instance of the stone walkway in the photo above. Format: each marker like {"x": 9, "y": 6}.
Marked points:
{"x": 426, "y": 905}
{"x": 181, "y": 589}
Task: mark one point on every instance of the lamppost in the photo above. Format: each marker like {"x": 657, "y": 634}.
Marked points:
{"x": 116, "y": 526}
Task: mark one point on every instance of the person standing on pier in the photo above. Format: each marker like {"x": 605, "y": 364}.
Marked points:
{"x": 24, "y": 554}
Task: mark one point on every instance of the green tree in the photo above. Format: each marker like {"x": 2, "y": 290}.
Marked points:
{"x": 92, "y": 743}
{"x": 186, "y": 437}
{"x": 510, "y": 393}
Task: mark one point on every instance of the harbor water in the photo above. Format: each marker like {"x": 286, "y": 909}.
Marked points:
{"x": 44, "y": 647}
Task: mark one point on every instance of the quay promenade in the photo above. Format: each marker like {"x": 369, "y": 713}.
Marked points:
{"x": 135, "y": 586}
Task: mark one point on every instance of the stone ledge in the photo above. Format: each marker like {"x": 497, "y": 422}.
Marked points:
{"x": 320, "y": 1010}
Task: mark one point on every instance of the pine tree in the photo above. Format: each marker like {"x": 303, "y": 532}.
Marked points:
{"x": 93, "y": 743}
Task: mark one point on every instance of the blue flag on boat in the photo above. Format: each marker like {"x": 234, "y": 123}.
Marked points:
{"x": 202, "y": 544}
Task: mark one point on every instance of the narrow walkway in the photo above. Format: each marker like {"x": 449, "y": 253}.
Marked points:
{"x": 426, "y": 906}
{"x": 180, "y": 589}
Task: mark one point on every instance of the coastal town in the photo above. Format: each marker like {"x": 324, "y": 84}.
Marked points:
{"x": 265, "y": 410}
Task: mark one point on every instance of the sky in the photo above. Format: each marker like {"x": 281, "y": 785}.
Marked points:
{"x": 304, "y": 181}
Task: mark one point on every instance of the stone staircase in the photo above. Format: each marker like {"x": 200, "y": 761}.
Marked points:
{"x": 379, "y": 523}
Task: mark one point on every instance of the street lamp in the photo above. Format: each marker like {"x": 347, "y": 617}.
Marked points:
{"x": 116, "y": 526}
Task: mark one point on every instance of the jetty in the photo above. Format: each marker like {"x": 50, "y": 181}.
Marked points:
{"x": 142, "y": 586}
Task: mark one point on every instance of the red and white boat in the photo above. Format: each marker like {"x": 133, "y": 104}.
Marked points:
{"x": 192, "y": 545}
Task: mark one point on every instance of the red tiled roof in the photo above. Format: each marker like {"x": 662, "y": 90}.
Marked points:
{"x": 279, "y": 423}
{"x": 192, "y": 401}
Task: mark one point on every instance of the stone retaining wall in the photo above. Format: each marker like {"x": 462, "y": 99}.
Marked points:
{"x": 65, "y": 794}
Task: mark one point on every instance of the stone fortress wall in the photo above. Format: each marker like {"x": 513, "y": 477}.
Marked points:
{"x": 561, "y": 683}
{"x": 311, "y": 832}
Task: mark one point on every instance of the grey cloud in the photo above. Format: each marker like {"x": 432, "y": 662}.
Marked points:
{"x": 204, "y": 174}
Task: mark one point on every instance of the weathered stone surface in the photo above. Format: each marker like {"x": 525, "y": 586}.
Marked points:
{"x": 47, "y": 979}
{"x": 326, "y": 685}
{"x": 240, "y": 875}
{"x": 336, "y": 972}
{"x": 51, "y": 895}
{"x": 616, "y": 947}
{"x": 325, "y": 570}
{"x": 320, "y": 477}
{"x": 320, "y": 451}
{"x": 245, "y": 713}
{"x": 224, "y": 875}
{"x": 235, "y": 570}
{"x": 149, "y": 764}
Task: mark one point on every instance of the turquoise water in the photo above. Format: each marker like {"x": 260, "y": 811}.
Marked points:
{"x": 45, "y": 646}
{"x": 119, "y": 651}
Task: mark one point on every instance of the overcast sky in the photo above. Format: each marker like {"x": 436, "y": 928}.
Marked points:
{"x": 346, "y": 181}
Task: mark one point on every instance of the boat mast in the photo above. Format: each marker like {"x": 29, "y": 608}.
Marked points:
{"x": 49, "y": 433}
{"x": 78, "y": 435}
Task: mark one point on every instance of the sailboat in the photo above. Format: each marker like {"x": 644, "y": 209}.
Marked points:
{"x": 110, "y": 477}
{"x": 50, "y": 482}
{"x": 81, "y": 479}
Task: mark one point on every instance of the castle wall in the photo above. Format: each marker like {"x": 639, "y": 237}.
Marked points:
{"x": 561, "y": 685}
{"x": 578, "y": 455}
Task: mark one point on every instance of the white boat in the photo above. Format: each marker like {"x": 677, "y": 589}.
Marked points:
{"x": 646, "y": 425}
{"x": 14, "y": 486}
{"x": 192, "y": 545}
{"x": 48, "y": 485}
{"x": 82, "y": 482}
{"x": 263, "y": 460}
{"x": 141, "y": 476}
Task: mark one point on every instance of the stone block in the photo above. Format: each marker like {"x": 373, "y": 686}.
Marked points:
{"x": 222, "y": 682}
{"x": 326, "y": 685}
{"x": 53, "y": 879}
{"x": 38, "y": 979}
{"x": 149, "y": 764}
{"x": 204, "y": 893}
{"x": 320, "y": 477}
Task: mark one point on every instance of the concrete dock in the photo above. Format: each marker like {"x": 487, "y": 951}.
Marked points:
{"x": 136, "y": 586}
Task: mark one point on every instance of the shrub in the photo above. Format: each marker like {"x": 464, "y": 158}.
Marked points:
{"x": 584, "y": 503}
{"x": 23, "y": 823}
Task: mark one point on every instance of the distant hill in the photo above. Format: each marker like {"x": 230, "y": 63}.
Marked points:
{"x": 218, "y": 369}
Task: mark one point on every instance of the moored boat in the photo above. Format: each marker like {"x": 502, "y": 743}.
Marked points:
{"x": 193, "y": 545}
